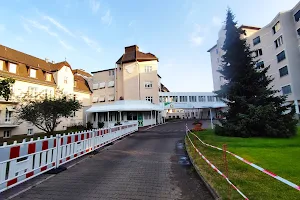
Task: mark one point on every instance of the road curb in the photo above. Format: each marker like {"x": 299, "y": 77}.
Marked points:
{"x": 210, "y": 189}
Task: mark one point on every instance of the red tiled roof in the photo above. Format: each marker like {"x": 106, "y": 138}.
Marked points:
{"x": 133, "y": 54}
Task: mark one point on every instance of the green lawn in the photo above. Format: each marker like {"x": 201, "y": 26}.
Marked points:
{"x": 280, "y": 156}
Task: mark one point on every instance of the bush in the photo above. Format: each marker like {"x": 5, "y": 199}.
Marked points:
{"x": 100, "y": 124}
{"x": 89, "y": 125}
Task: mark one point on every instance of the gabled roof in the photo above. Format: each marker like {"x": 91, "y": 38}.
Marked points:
{"x": 135, "y": 55}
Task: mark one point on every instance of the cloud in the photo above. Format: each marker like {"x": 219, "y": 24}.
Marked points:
{"x": 91, "y": 43}
{"x": 42, "y": 27}
{"x": 95, "y": 5}
{"x": 65, "y": 45}
{"x": 59, "y": 25}
{"x": 2, "y": 27}
{"x": 197, "y": 35}
{"x": 20, "y": 39}
{"x": 131, "y": 23}
{"x": 26, "y": 27}
{"x": 216, "y": 21}
{"x": 107, "y": 18}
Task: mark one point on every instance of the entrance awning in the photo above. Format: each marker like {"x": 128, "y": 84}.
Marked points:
{"x": 126, "y": 105}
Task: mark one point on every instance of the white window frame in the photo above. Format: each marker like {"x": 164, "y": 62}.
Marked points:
{"x": 8, "y": 115}
{"x": 111, "y": 84}
{"x": 32, "y": 73}
{"x": 278, "y": 41}
{"x": 285, "y": 86}
{"x": 148, "y": 98}
{"x": 1, "y": 64}
{"x": 12, "y": 68}
{"x": 65, "y": 80}
{"x": 276, "y": 27}
{"x": 7, "y": 134}
{"x": 148, "y": 84}
{"x": 148, "y": 69}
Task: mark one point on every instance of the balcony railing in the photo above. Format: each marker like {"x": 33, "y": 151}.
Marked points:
{"x": 9, "y": 122}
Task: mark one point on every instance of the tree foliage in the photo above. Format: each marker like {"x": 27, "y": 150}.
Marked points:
{"x": 254, "y": 107}
{"x": 5, "y": 88}
{"x": 46, "y": 112}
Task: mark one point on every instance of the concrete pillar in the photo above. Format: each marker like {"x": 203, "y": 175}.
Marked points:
{"x": 155, "y": 116}
{"x": 120, "y": 115}
{"x": 151, "y": 118}
{"x": 97, "y": 119}
{"x": 108, "y": 119}
{"x": 211, "y": 122}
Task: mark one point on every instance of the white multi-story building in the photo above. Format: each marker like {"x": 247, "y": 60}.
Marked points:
{"x": 275, "y": 45}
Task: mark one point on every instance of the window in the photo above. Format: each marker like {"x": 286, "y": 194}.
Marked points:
{"x": 6, "y": 134}
{"x": 30, "y": 131}
{"x": 65, "y": 80}
{"x": 283, "y": 71}
{"x": 260, "y": 65}
{"x": 192, "y": 98}
{"x": 32, "y": 73}
{"x": 8, "y": 115}
{"x": 148, "y": 69}
{"x": 12, "y": 68}
{"x": 183, "y": 98}
{"x": 201, "y": 98}
{"x": 298, "y": 32}
{"x": 148, "y": 84}
{"x": 173, "y": 99}
{"x": 111, "y": 97}
{"x": 258, "y": 52}
{"x": 280, "y": 56}
{"x": 278, "y": 42}
{"x": 111, "y": 72}
{"x": 286, "y": 90}
{"x": 149, "y": 99}
{"x": 1, "y": 64}
{"x": 276, "y": 27}
{"x": 160, "y": 99}
{"x": 48, "y": 77}
{"x": 256, "y": 41}
{"x": 210, "y": 98}
{"x": 32, "y": 91}
{"x": 297, "y": 16}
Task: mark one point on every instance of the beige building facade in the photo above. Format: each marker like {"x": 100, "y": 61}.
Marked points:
{"x": 35, "y": 76}
{"x": 275, "y": 45}
{"x": 133, "y": 80}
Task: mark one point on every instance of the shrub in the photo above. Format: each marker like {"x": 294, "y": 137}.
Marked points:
{"x": 100, "y": 124}
{"x": 89, "y": 125}
{"x": 118, "y": 124}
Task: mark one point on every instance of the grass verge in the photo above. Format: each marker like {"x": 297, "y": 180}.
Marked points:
{"x": 280, "y": 156}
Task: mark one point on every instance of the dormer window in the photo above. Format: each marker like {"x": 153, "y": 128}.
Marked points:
{"x": 75, "y": 83}
{"x": 32, "y": 73}
{"x": 1, "y": 64}
{"x": 48, "y": 77}
{"x": 12, "y": 68}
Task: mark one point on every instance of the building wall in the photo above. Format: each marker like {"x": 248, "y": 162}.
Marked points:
{"x": 59, "y": 77}
{"x": 100, "y": 77}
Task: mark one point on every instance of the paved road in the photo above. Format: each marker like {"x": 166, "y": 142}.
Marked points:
{"x": 142, "y": 166}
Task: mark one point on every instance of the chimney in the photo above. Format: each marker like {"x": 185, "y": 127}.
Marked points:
{"x": 131, "y": 48}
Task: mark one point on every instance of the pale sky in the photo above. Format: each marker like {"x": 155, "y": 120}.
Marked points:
{"x": 92, "y": 34}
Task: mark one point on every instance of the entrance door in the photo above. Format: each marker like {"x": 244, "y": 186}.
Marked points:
{"x": 140, "y": 119}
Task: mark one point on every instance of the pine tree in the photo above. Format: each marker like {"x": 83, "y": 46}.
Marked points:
{"x": 254, "y": 107}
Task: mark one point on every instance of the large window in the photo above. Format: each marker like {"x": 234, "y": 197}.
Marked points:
{"x": 278, "y": 42}
{"x": 297, "y": 16}
{"x": 149, "y": 99}
{"x": 201, "y": 98}
{"x": 173, "y": 99}
{"x": 286, "y": 89}
{"x": 32, "y": 73}
{"x": 280, "y": 56}
{"x": 148, "y": 69}
{"x": 276, "y": 27}
{"x": 12, "y": 68}
{"x": 256, "y": 41}
{"x": 6, "y": 134}
{"x": 30, "y": 131}
{"x": 283, "y": 71}
{"x": 210, "y": 98}
{"x": 193, "y": 98}
{"x": 8, "y": 115}
{"x": 183, "y": 98}
{"x": 148, "y": 84}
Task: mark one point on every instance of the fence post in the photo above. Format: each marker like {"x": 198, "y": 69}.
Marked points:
{"x": 57, "y": 150}
{"x": 226, "y": 168}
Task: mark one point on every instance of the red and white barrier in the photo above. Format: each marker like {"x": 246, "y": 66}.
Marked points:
{"x": 20, "y": 162}
{"x": 289, "y": 183}
{"x": 216, "y": 169}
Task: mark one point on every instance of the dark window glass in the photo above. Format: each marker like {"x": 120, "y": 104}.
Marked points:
{"x": 286, "y": 90}
{"x": 298, "y": 31}
{"x": 260, "y": 64}
{"x": 281, "y": 56}
{"x": 297, "y": 16}
{"x": 256, "y": 40}
{"x": 283, "y": 71}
